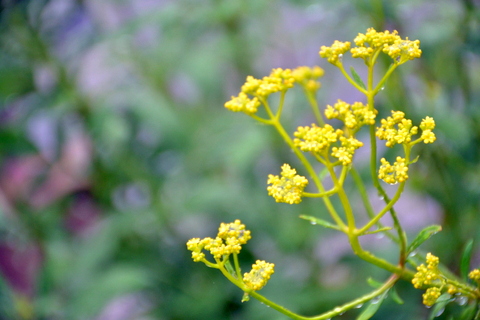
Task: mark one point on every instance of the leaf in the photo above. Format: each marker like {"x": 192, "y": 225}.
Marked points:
{"x": 468, "y": 313}
{"x": 423, "y": 236}
{"x": 374, "y": 283}
{"x": 323, "y": 173}
{"x": 395, "y": 297}
{"x": 357, "y": 78}
{"x": 440, "y": 305}
{"x": 465, "y": 261}
{"x": 378, "y": 230}
{"x": 324, "y": 223}
{"x": 372, "y": 307}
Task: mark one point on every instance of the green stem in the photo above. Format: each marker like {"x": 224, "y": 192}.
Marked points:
{"x": 333, "y": 213}
{"x": 366, "y": 202}
{"x": 343, "y": 199}
{"x": 315, "y": 108}
{"x": 349, "y": 79}
{"x": 387, "y": 208}
{"x": 332, "y": 313}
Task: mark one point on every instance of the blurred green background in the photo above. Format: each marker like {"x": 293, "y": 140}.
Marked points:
{"x": 115, "y": 149}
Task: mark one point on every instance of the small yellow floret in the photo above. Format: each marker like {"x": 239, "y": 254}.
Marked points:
{"x": 334, "y": 53}
{"x": 347, "y": 150}
{"x": 475, "y": 275}
{"x": 431, "y": 295}
{"x": 376, "y": 39}
{"x": 354, "y": 116}
{"x": 307, "y": 77}
{"x": 235, "y": 230}
{"x": 403, "y": 50}
{"x": 427, "y": 125}
{"x": 242, "y": 103}
{"x": 258, "y": 277}
{"x": 392, "y": 174}
{"x": 289, "y": 188}
{"x": 229, "y": 240}
{"x": 316, "y": 139}
{"x": 396, "y": 129}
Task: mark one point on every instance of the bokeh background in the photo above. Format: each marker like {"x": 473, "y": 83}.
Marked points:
{"x": 115, "y": 149}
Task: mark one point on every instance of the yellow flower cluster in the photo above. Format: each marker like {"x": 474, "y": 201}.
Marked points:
{"x": 278, "y": 80}
{"x": 429, "y": 275}
{"x": 316, "y": 139}
{"x": 319, "y": 139}
{"x": 353, "y": 116}
{"x": 368, "y": 44}
{"x": 346, "y": 151}
{"x": 375, "y": 39}
{"x": 335, "y": 53}
{"x": 307, "y": 77}
{"x": 427, "y": 125}
{"x": 257, "y": 278}
{"x": 400, "y": 50}
{"x": 475, "y": 275}
{"x": 254, "y": 91}
{"x": 242, "y": 103}
{"x": 398, "y": 130}
{"x": 392, "y": 174}
{"x": 431, "y": 295}
{"x": 288, "y": 188}
{"x": 403, "y": 50}
{"x": 230, "y": 238}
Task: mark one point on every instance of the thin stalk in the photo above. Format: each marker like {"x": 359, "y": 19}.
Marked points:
{"x": 366, "y": 202}
{"x": 384, "y": 210}
{"x": 333, "y": 213}
{"x": 315, "y": 108}
{"x": 332, "y": 313}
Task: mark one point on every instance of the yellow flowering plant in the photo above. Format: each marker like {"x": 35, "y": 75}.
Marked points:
{"x": 335, "y": 148}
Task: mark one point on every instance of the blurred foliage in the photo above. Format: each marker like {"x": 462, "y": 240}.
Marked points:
{"x": 115, "y": 149}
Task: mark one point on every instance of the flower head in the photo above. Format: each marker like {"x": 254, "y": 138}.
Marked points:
{"x": 431, "y": 295}
{"x": 229, "y": 240}
{"x": 278, "y": 80}
{"x": 403, "y": 50}
{"x": 307, "y": 77}
{"x": 353, "y": 116}
{"x": 392, "y": 174}
{"x": 427, "y": 125}
{"x": 335, "y": 52}
{"x": 257, "y": 278}
{"x": 475, "y": 275}
{"x": 288, "y": 188}
{"x": 235, "y": 230}
{"x": 242, "y": 103}
{"x": 427, "y": 274}
{"x": 346, "y": 151}
{"x": 396, "y": 129}
{"x": 316, "y": 139}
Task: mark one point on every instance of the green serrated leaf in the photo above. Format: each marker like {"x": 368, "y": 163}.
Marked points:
{"x": 323, "y": 223}
{"x": 423, "y": 236}
{"x": 465, "y": 262}
{"x": 357, "y": 78}
{"x": 372, "y": 307}
{"x": 395, "y": 297}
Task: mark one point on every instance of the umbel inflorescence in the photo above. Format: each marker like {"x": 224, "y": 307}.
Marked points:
{"x": 334, "y": 146}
